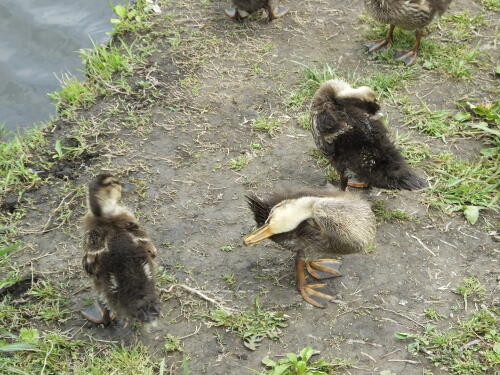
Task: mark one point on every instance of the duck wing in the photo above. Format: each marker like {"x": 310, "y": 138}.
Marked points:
{"x": 95, "y": 247}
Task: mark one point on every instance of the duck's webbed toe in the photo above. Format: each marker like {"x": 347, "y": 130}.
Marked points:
{"x": 236, "y": 14}
{"x": 408, "y": 57}
{"x": 322, "y": 269}
{"x": 274, "y": 13}
{"x": 96, "y": 313}
{"x": 314, "y": 297}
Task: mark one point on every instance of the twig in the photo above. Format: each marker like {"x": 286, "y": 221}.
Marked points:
{"x": 404, "y": 360}
{"x": 369, "y": 356}
{"x": 423, "y": 245}
{"x": 201, "y": 295}
{"x": 191, "y": 334}
{"x": 395, "y": 312}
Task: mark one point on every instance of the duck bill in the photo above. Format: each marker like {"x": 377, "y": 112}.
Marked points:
{"x": 259, "y": 235}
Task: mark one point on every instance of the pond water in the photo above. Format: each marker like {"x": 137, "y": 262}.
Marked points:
{"x": 39, "y": 40}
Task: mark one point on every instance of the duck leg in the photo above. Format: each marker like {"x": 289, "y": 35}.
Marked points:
{"x": 97, "y": 314}
{"x": 308, "y": 291}
{"x": 410, "y": 57}
{"x": 236, "y": 14}
{"x": 381, "y": 44}
{"x": 273, "y": 13}
{"x": 322, "y": 269}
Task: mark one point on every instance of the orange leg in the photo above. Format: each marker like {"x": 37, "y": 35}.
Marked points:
{"x": 381, "y": 44}
{"x": 410, "y": 57}
{"x": 308, "y": 291}
{"x": 322, "y": 269}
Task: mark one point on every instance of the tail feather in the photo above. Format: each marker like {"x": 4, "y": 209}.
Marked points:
{"x": 406, "y": 181}
{"x": 260, "y": 209}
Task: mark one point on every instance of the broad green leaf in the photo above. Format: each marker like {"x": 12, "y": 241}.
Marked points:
{"x": 496, "y": 347}
{"x": 58, "y": 148}
{"x": 280, "y": 370}
{"x": 489, "y": 152}
{"x": 8, "y": 249}
{"x": 120, "y": 11}
{"x": 307, "y": 353}
{"x": 484, "y": 127}
{"x": 19, "y": 347}
{"x": 462, "y": 116}
{"x": 268, "y": 361}
{"x": 472, "y": 214}
{"x": 115, "y": 21}
{"x": 403, "y": 335}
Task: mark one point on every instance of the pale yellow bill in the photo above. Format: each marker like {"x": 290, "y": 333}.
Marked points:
{"x": 259, "y": 235}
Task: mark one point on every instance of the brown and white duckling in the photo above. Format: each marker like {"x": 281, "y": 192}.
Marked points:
{"x": 119, "y": 257}
{"x": 314, "y": 224}
{"x": 346, "y": 128}
{"x": 405, "y": 14}
{"x": 243, "y": 8}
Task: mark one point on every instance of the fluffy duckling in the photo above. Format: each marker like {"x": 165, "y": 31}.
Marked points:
{"x": 405, "y": 14}
{"x": 119, "y": 257}
{"x": 346, "y": 128}
{"x": 243, "y": 8}
{"x": 313, "y": 224}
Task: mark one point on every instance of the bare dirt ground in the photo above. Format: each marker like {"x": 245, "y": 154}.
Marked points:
{"x": 181, "y": 146}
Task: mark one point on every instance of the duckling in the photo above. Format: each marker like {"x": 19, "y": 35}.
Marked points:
{"x": 119, "y": 257}
{"x": 346, "y": 127}
{"x": 314, "y": 223}
{"x": 408, "y": 15}
{"x": 243, "y": 8}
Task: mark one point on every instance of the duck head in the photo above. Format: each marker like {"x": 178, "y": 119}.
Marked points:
{"x": 284, "y": 217}
{"x": 105, "y": 192}
{"x": 344, "y": 90}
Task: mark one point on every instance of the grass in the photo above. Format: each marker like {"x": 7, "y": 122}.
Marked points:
{"x": 239, "y": 163}
{"x": 268, "y": 125}
{"x": 252, "y": 326}
{"x": 323, "y": 163}
{"x": 172, "y": 344}
{"x": 469, "y": 347}
{"x": 17, "y": 159}
{"x": 458, "y": 183}
{"x": 471, "y": 289}
{"x": 302, "y": 364}
{"x": 385, "y": 214}
{"x": 493, "y": 5}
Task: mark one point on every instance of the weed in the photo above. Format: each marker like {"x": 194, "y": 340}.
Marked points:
{"x": 301, "y": 364}
{"x": 172, "y": 344}
{"x": 131, "y": 18}
{"x": 17, "y": 159}
{"x": 467, "y": 348}
{"x": 384, "y": 83}
{"x": 252, "y": 326}
{"x": 385, "y": 214}
{"x": 267, "y": 125}
{"x": 459, "y": 184}
{"x": 313, "y": 78}
{"x": 493, "y": 5}
{"x": 304, "y": 120}
{"x": 432, "y": 314}
{"x": 72, "y": 95}
{"x": 471, "y": 288}
{"x": 229, "y": 279}
{"x": 238, "y": 163}
{"x": 226, "y": 248}
{"x": 413, "y": 152}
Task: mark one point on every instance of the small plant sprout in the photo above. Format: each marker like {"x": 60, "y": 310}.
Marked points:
{"x": 172, "y": 344}
{"x": 472, "y": 288}
{"x": 302, "y": 364}
{"x": 226, "y": 248}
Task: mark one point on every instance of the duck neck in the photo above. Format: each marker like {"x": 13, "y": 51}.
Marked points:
{"x": 102, "y": 207}
{"x": 298, "y": 210}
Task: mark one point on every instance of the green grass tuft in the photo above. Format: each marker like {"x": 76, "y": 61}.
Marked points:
{"x": 252, "y": 326}
{"x": 469, "y": 347}
{"x": 385, "y": 214}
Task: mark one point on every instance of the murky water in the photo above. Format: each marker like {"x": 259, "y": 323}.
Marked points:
{"x": 39, "y": 40}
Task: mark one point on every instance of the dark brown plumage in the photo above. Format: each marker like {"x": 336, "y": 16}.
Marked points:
{"x": 119, "y": 255}
{"x": 243, "y": 8}
{"x": 405, "y": 14}
{"x": 345, "y": 129}
{"x": 314, "y": 224}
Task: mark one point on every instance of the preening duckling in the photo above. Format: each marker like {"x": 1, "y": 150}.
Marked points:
{"x": 243, "y": 8}
{"x": 119, "y": 257}
{"x": 346, "y": 128}
{"x": 313, "y": 224}
{"x": 405, "y": 14}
